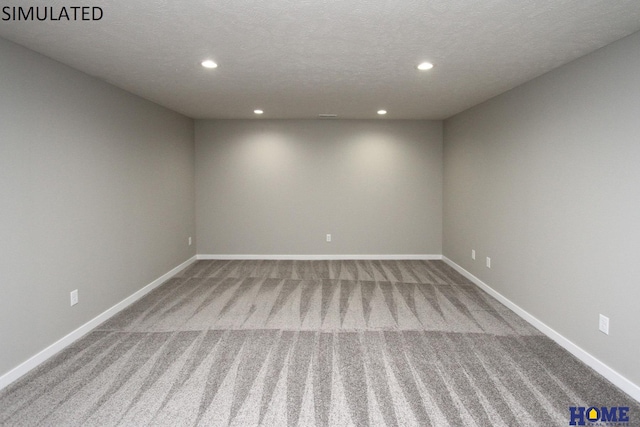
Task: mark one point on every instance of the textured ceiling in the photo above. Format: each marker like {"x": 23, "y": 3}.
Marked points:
{"x": 299, "y": 58}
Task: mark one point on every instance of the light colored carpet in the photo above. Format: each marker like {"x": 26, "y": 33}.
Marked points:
{"x": 311, "y": 343}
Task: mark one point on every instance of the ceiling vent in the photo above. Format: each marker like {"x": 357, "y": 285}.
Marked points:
{"x": 328, "y": 116}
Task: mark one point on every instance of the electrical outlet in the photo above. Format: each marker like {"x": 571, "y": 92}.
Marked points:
{"x": 74, "y": 297}
{"x": 473, "y": 254}
{"x": 328, "y": 237}
{"x": 488, "y": 262}
{"x": 189, "y": 241}
{"x": 604, "y": 324}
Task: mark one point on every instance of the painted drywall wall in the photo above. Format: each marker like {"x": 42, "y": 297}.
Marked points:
{"x": 545, "y": 180}
{"x": 277, "y": 187}
{"x": 96, "y": 194}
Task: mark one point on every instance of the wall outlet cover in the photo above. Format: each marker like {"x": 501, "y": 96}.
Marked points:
{"x": 74, "y": 297}
{"x": 604, "y": 324}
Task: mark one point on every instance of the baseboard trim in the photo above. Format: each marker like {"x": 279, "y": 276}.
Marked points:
{"x": 612, "y": 375}
{"x": 318, "y": 257}
{"x": 70, "y": 338}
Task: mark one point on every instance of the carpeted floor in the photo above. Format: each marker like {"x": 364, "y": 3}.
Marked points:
{"x": 311, "y": 343}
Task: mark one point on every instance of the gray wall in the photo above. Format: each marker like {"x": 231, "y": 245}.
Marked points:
{"x": 545, "y": 180}
{"x": 97, "y": 194}
{"x": 278, "y": 186}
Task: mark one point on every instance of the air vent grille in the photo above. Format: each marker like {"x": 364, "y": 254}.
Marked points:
{"x": 328, "y": 116}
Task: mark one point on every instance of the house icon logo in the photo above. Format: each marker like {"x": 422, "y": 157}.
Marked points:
{"x": 593, "y": 414}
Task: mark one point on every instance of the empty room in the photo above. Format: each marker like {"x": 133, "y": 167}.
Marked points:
{"x": 320, "y": 213}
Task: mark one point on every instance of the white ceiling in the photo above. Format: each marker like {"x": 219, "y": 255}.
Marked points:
{"x": 300, "y": 58}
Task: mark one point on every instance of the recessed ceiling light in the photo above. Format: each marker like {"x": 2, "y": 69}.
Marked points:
{"x": 258, "y": 111}
{"x": 209, "y": 64}
{"x": 382, "y": 112}
{"x": 425, "y": 66}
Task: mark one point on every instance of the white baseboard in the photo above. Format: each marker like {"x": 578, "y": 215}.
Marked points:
{"x": 616, "y": 378}
{"x": 319, "y": 257}
{"x": 69, "y": 339}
